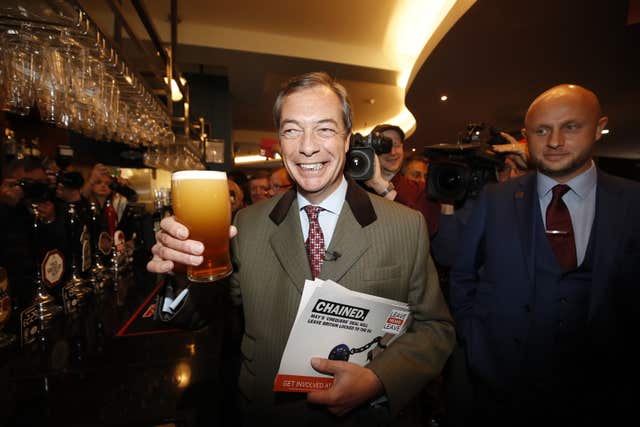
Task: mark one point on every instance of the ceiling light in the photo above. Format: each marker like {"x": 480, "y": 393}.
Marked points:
{"x": 413, "y": 149}
{"x": 444, "y": 98}
{"x": 176, "y": 95}
{"x": 411, "y": 26}
{"x": 605, "y": 131}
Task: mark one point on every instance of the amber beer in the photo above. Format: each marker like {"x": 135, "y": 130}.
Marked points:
{"x": 201, "y": 202}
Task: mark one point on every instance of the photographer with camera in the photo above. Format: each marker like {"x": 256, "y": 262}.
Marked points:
{"x": 459, "y": 173}
{"x": 69, "y": 187}
{"x": 68, "y": 192}
{"x": 376, "y": 160}
{"x": 26, "y": 178}
{"x": 24, "y": 187}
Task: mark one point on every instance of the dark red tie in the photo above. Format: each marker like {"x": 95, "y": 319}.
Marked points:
{"x": 315, "y": 241}
{"x": 560, "y": 230}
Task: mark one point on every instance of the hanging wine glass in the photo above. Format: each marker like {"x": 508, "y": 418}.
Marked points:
{"x": 19, "y": 78}
{"x": 50, "y": 86}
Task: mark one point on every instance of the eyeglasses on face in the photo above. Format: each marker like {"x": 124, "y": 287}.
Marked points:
{"x": 259, "y": 189}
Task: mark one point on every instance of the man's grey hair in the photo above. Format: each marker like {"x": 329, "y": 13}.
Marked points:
{"x": 311, "y": 80}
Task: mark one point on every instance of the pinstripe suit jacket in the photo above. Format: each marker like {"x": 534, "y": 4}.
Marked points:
{"x": 384, "y": 249}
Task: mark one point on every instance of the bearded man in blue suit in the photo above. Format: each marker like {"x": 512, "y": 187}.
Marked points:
{"x": 544, "y": 324}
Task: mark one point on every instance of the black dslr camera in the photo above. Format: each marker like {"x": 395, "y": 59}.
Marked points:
{"x": 460, "y": 171}
{"x": 361, "y": 154}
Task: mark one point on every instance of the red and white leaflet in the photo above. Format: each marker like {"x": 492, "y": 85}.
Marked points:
{"x": 340, "y": 324}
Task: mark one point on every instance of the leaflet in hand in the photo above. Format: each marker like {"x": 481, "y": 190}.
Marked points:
{"x": 340, "y": 324}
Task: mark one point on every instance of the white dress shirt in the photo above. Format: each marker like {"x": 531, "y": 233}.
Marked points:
{"x": 328, "y": 218}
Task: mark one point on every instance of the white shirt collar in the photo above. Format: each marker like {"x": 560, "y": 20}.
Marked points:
{"x": 581, "y": 185}
{"x": 333, "y": 203}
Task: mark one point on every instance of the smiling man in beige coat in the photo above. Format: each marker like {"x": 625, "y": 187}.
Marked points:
{"x": 372, "y": 245}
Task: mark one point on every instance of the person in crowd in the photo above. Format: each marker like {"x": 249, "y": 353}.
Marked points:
{"x": 415, "y": 169}
{"x": 28, "y": 170}
{"x": 240, "y": 178}
{"x": 516, "y": 161}
{"x": 445, "y": 246}
{"x": 259, "y": 186}
{"x": 52, "y": 170}
{"x": 547, "y": 264}
{"x": 69, "y": 191}
{"x": 237, "y": 197}
{"x": 381, "y": 248}
{"x": 69, "y": 186}
{"x": 279, "y": 181}
{"x": 388, "y": 182}
{"x": 446, "y": 243}
{"x": 25, "y": 187}
{"x": 10, "y": 191}
{"x": 391, "y": 162}
{"x": 99, "y": 187}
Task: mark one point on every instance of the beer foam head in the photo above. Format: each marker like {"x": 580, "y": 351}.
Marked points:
{"x": 199, "y": 174}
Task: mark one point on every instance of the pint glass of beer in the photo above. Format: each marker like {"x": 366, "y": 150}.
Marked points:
{"x": 200, "y": 201}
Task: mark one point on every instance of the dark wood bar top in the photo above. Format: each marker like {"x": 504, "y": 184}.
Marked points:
{"x": 114, "y": 365}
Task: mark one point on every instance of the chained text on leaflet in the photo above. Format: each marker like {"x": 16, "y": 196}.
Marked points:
{"x": 336, "y": 323}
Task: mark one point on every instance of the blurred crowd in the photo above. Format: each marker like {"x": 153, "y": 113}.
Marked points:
{"x": 37, "y": 201}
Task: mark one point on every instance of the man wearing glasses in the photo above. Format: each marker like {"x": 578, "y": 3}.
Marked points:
{"x": 279, "y": 181}
{"x": 376, "y": 246}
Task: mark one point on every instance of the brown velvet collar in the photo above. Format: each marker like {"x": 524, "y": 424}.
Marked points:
{"x": 357, "y": 198}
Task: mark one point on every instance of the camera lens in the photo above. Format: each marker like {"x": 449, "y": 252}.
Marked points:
{"x": 448, "y": 180}
{"x": 359, "y": 165}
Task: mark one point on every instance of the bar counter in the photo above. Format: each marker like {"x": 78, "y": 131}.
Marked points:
{"x": 112, "y": 364}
